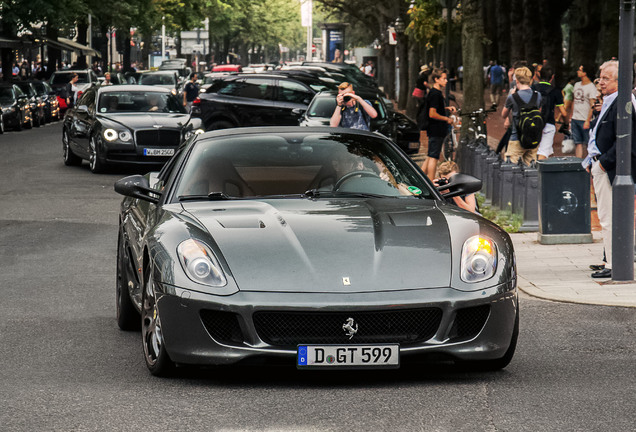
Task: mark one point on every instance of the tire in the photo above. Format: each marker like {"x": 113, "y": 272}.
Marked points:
{"x": 220, "y": 124}
{"x": 70, "y": 158}
{"x": 36, "y": 120}
{"x": 19, "y": 124}
{"x": 155, "y": 355}
{"x": 95, "y": 162}
{"x": 500, "y": 363}
{"x": 1, "y": 125}
{"x": 448, "y": 150}
{"x": 127, "y": 316}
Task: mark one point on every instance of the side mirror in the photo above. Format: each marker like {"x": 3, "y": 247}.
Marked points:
{"x": 137, "y": 186}
{"x": 298, "y": 111}
{"x": 460, "y": 184}
{"x": 82, "y": 109}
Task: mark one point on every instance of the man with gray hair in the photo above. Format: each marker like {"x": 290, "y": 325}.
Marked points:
{"x": 601, "y": 158}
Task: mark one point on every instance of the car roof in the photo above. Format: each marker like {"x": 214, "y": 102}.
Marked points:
{"x": 159, "y": 72}
{"x": 274, "y": 130}
{"x": 132, "y": 88}
{"x": 65, "y": 71}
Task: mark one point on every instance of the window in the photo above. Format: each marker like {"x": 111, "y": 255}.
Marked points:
{"x": 87, "y": 99}
{"x": 289, "y": 91}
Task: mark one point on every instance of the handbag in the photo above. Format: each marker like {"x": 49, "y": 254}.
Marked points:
{"x": 418, "y": 93}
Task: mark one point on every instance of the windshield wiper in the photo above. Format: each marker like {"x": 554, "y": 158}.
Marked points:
{"x": 315, "y": 193}
{"x": 212, "y": 196}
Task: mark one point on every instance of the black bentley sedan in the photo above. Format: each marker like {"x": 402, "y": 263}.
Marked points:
{"x": 16, "y": 112}
{"x": 36, "y": 102}
{"x": 315, "y": 247}
{"x": 126, "y": 124}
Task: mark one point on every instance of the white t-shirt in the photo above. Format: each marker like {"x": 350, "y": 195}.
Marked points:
{"x": 581, "y": 100}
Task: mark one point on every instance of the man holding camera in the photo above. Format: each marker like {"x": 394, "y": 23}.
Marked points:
{"x": 351, "y": 110}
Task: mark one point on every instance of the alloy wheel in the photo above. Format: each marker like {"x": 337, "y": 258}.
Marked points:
{"x": 151, "y": 325}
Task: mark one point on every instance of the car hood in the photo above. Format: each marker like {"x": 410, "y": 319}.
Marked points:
{"x": 147, "y": 120}
{"x": 324, "y": 245}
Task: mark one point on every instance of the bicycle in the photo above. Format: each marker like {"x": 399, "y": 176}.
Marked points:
{"x": 476, "y": 130}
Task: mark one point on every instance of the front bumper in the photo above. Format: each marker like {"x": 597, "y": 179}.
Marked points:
{"x": 189, "y": 340}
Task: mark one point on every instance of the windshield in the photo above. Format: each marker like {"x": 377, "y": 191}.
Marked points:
{"x": 139, "y": 101}
{"x": 157, "y": 79}
{"x": 65, "y": 77}
{"x": 26, "y": 88}
{"x": 6, "y": 94}
{"x": 299, "y": 165}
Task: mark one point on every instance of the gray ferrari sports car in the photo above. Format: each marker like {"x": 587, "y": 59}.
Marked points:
{"x": 317, "y": 247}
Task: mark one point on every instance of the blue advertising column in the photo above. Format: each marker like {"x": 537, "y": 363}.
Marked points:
{"x": 333, "y": 41}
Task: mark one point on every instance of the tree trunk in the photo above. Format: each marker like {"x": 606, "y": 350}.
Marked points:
{"x": 490, "y": 28}
{"x": 414, "y": 70}
{"x": 55, "y": 55}
{"x": 532, "y": 31}
{"x": 82, "y": 28}
{"x": 403, "y": 50}
{"x": 551, "y": 37}
{"x": 584, "y": 33}
{"x": 472, "y": 53}
{"x": 609, "y": 31}
{"x": 126, "y": 62}
{"x": 517, "y": 46}
{"x": 503, "y": 32}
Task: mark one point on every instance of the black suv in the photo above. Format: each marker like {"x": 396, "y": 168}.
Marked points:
{"x": 401, "y": 129}
{"x": 253, "y": 100}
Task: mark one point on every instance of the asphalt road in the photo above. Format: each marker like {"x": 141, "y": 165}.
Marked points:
{"x": 65, "y": 366}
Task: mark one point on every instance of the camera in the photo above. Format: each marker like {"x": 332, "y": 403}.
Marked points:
{"x": 346, "y": 98}
{"x": 442, "y": 181}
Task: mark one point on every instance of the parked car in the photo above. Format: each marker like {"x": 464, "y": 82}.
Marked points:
{"x": 402, "y": 130}
{"x": 126, "y": 124}
{"x": 178, "y": 64}
{"x": 253, "y": 100}
{"x": 36, "y": 103}
{"x": 60, "y": 79}
{"x": 16, "y": 111}
{"x": 48, "y": 95}
{"x": 320, "y": 248}
{"x": 227, "y": 68}
{"x": 168, "y": 79}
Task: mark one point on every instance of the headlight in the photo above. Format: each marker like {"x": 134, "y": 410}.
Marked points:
{"x": 110, "y": 134}
{"x": 200, "y": 264}
{"x": 125, "y": 136}
{"x": 174, "y": 92}
{"x": 479, "y": 259}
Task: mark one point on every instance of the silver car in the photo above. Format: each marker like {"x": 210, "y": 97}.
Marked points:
{"x": 316, "y": 247}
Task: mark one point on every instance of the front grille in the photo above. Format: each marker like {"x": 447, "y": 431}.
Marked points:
{"x": 469, "y": 322}
{"x": 158, "y": 138}
{"x": 398, "y": 326}
{"x": 224, "y": 327}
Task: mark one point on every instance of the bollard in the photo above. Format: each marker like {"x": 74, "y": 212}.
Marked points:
{"x": 466, "y": 155}
{"x": 531, "y": 199}
{"x": 480, "y": 150}
{"x": 506, "y": 184}
{"x": 495, "y": 181}
{"x": 482, "y": 166}
{"x": 518, "y": 187}
{"x": 494, "y": 161}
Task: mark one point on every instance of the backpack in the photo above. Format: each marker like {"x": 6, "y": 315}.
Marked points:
{"x": 422, "y": 115}
{"x": 530, "y": 124}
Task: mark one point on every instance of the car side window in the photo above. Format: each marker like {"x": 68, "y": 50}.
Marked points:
{"x": 88, "y": 99}
{"x": 289, "y": 91}
{"x": 18, "y": 91}
{"x": 257, "y": 88}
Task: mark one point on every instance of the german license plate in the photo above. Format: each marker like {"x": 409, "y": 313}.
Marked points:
{"x": 348, "y": 356}
{"x": 158, "y": 152}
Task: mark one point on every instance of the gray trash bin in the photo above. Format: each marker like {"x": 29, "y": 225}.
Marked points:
{"x": 564, "y": 201}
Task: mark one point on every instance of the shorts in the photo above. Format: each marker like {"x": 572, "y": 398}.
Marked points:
{"x": 579, "y": 135}
{"x": 435, "y": 146}
{"x": 547, "y": 140}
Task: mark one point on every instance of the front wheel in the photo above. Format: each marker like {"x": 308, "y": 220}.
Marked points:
{"x": 448, "y": 148}
{"x": 70, "y": 158}
{"x": 95, "y": 162}
{"x": 157, "y": 360}
{"x": 127, "y": 315}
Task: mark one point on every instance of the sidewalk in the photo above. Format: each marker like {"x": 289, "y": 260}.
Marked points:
{"x": 561, "y": 272}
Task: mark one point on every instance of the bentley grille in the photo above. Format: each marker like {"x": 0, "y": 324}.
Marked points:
{"x": 158, "y": 138}
{"x": 397, "y": 326}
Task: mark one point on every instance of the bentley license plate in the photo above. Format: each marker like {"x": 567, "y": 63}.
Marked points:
{"x": 158, "y": 152}
{"x": 348, "y": 356}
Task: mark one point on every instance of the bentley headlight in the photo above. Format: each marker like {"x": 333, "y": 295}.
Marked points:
{"x": 200, "y": 264}
{"x": 110, "y": 134}
{"x": 125, "y": 136}
{"x": 479, "y": 259}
